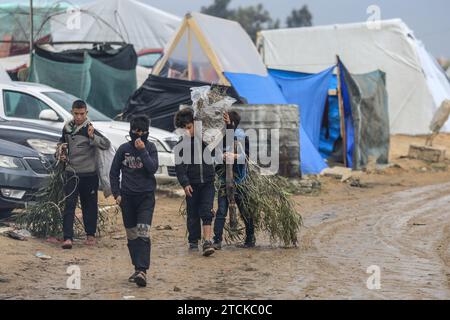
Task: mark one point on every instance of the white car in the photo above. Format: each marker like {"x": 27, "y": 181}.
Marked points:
{"x": 45, "y": 105}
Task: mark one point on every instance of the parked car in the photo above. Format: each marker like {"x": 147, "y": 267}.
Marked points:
{"x": 43, "y": 139}
{"x": 147, "y": 58}
{"x": 37, "y": 103}
{"x": 22, "y": 172}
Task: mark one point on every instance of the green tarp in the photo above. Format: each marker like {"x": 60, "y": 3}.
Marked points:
{"x": 103, "y": 86}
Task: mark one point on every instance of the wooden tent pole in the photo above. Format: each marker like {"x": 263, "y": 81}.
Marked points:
{"x": 189, "y": 54}
{"x": 157, "y": 69}
{"x": 341, "y": 111}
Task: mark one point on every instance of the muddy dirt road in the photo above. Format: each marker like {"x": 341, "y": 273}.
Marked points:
{"x": 404, "y": 230}
{"x": 400, "y": 223}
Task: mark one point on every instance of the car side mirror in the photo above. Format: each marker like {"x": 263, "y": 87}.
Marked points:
{"x": 48, "y": 115}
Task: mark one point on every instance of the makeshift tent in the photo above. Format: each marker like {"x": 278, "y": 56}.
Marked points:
{"x": 15, "y": 25}
{"x": 363, "y": 105}
{"x": 415, "y": 84}
{"x": 219, "y": 51}
{"x": 128, "y": 21}
{"x": 104, "y": 77}
{"x": 206, "y": 47}
{"x": 160, "y": 98}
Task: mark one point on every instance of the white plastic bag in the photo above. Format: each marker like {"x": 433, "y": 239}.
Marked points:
{"x": 210, "y": 114}
{"x": 104, "y": 159}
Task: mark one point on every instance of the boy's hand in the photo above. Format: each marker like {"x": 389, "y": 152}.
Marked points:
{"x": 229, "y": 157}
{"x": 188, "y": 191}
{"x": 139, "y": 144}
{"x": 91, "y": 131}
{"x": 226, "y": 118}
{"x": 119, "y": 200}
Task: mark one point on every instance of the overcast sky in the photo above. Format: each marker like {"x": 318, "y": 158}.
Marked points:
{"x": 428, "y": 18}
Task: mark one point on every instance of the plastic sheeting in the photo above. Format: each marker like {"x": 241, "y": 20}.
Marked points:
{"x": 366, "y": 95}
{"x": 105, "y": 87}
{"x": 392, "y": 48}
{"x": 310, "y": 94}
{"x": 265, "y": 90}
{"x": 256, "y": 89}
{"x": 160, "y": 98}
{"x": 231, "y": 44}
{"x": 127, "y": 21}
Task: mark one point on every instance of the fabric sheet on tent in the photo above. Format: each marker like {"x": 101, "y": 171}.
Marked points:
{"x": 105, "y": 83}
{"x": 348, "y": 118}
{"x": 264, "y": 90}
{"x": 369, "y": 107}
{"x": 308, "y": 92}
{"x": 256, "y": 89}
{"x": 160, "y": 98}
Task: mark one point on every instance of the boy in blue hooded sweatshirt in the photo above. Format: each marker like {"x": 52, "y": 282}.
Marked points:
{"x": 134, "y": 191}
{"x": 240, "y": 158}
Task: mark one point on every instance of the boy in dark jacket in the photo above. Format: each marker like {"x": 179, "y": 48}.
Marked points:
{"x": 196, "y": 176}
{"x": 239, "y": 158}
{"x": 135, "y": 193}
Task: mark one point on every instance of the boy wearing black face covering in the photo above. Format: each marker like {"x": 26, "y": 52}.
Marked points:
{"x": 134, "y": 191}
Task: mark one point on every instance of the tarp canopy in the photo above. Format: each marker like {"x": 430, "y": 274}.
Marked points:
{"x": 160, "y": 98}
{"x": 276, "y": 89}
{"x": 370, "y": 117}
{"x": 416, "y": 86}
{"x": 105, "y": 79}
{"x": 15, "y": 24}
{"x": 205, "y": 47}
{"x": 129, "y": 21}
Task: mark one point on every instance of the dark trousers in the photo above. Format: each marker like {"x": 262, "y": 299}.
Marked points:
{"x": 137, "y": 214}
{"x": 87, "y": 190}
{"x": 221, "y": 215}
{"x": 199, "y": 209}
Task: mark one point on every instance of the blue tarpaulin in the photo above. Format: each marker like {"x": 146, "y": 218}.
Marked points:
{"x": 310, "y": 93}
{"x": 256, "y": 89}
{"x": 265, "y": 90}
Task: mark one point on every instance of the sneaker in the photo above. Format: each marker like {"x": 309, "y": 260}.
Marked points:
{"x": 193, "y": 247}
{"x": 217, "y": 245}
{"x": 67, "y": 244}
{"x": 132, "y": 278}
{"x": 141, "y": 279}
{"x": 208, "y": 248}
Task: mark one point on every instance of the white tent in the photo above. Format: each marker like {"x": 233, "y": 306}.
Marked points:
{"x": 205, "y": 47}
{"x": 127, "y": 21}
{"x": 4, "y": 77}
{"x": 416, "y": 85}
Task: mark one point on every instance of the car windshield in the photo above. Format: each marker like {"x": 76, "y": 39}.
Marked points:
{"x": 65, "y": 100}
{"x": 148, "y": 60}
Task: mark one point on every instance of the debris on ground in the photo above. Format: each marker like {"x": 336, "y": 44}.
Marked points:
{"x": 427, "y": 153}
{"x": 42, "y": 256}
{"x": 166, "y": 227}
{"x": 308, "y": 185}
{"x": 21, "y": 235}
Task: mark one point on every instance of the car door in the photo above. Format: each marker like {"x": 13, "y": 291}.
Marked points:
{"x": 23, "y": 106}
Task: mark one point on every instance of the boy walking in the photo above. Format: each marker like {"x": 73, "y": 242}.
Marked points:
{"x": 239, "y": 158}
{"x": 133, "y": 185}
{"x": 81, "y": 172}
{"x": 196, "y": 176}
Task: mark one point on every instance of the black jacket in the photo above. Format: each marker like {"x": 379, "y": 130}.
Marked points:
{"x": 138, "y": 168}
{"x": 187, "y": 171}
